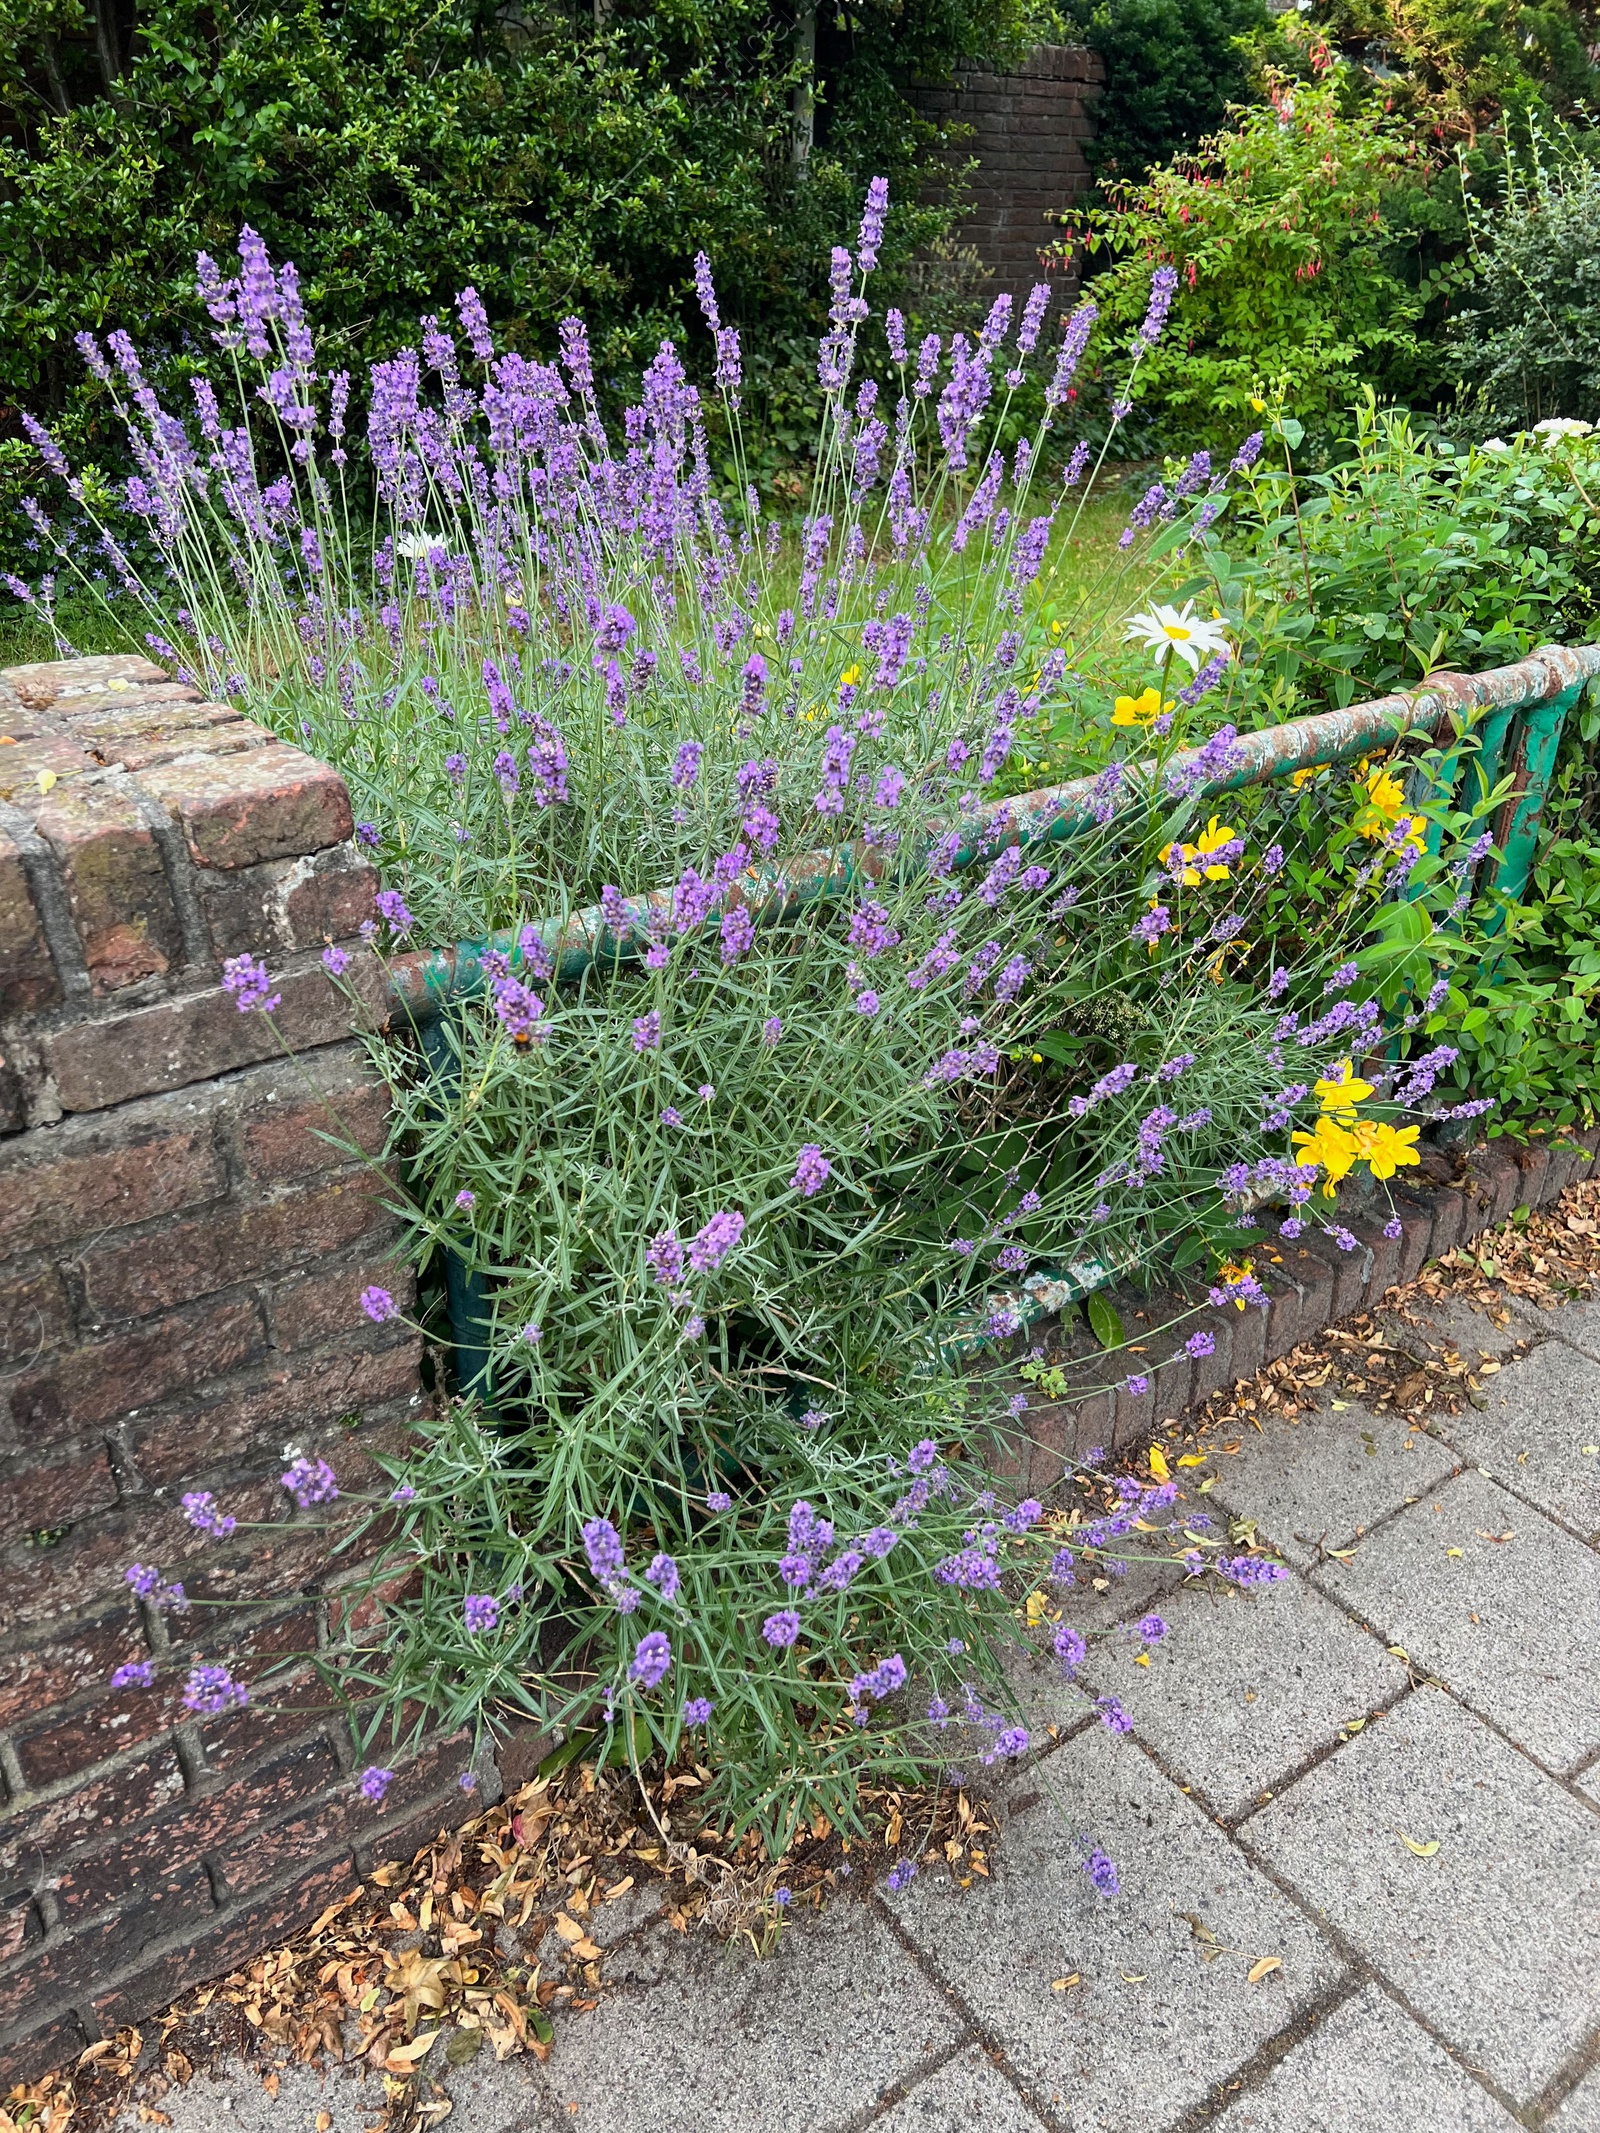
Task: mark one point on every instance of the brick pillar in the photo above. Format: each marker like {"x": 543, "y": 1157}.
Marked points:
{"x": 1028, "y": 132}
{"x": 180, "y": 1261}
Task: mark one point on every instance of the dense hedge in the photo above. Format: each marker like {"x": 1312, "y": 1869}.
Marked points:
{"x": 399, "y": 149}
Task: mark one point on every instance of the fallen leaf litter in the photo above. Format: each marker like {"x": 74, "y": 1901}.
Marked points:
{"x": 486, "y": 1938}
{"x": 481, "y": 1938}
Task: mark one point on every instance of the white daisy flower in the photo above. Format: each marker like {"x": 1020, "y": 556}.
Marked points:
{"x": 1180, "y": 630}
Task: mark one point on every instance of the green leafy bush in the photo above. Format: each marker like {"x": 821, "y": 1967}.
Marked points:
{"x": 397, "y": 150}
{"x": 1407, "y": 556}
{"x": 1525, "y": 337}
{"x": 1172, "y": 68}
{"x": 1292, "y": 289}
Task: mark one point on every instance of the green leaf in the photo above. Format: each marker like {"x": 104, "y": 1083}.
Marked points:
{"x": 1104, "y": 1322}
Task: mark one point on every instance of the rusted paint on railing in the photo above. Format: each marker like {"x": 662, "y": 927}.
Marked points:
{"x": 422, "y": 984}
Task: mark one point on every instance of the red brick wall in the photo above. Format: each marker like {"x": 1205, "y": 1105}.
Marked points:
{"x": 1028, "y": 132}
{"x": 180, "y": 1258}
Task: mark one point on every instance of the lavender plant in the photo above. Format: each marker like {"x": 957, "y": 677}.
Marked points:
{"x": 792, "y": 1055}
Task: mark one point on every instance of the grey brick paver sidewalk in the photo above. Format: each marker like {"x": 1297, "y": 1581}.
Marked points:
{"x": 1284, "y": 1747}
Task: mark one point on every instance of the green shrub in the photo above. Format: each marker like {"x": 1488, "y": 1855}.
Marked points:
{"x": 1525, "y": 337}
{"x": 397, "y": 150}
{"x": 1172, "y": 68}
{"x": 1409, "y": 555}
{"x": 1291, "y": 284}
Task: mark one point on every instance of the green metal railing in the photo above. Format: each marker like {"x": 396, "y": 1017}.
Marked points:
{"x": 1506, "y": 721}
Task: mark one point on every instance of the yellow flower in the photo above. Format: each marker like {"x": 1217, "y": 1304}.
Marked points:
{"x": 1382, "y": 807}
{"x": 1212, "y": 839}
{"x": 1141, "y": 710}
{"x": 1329, "y": 1148}
{"x": 1233, "y": 1277}
{"x": 1340, "y": 1092}
{"x": 1257, "y": 407}
{"x": 850, "y": 678}
{"x": 1388, "y": 1148}
{"x": 1304, "y": 777}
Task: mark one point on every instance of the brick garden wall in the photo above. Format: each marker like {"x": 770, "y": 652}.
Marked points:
{"x": 1028, "y": 131}
{"x": 180, "y": 1257}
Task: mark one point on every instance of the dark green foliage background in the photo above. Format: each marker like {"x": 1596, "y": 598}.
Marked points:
{"x": 397, "y": 150}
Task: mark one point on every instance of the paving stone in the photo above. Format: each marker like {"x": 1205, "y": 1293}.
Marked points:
{"x": 1530, "y": 1660}
{"x": 1153, "y": 2025}
{"x": 1578, "y": 1323}
{"x": 607, "y": 1923}
{"x": 966, "y": 2091}
{"x": 1367, "y": 2066}
{"x": 1241, "y": 1692}
{"x": 1495, "y": 1940}
{"x": 721, "y": 2043}
{"x": 1435, "y": 1323}
{"x": 1331, "y": 1473}
{"x": 1541, "y": 1412}
{"x": 1581, "y": 2111}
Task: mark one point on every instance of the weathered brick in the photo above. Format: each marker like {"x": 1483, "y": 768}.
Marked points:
{"x": 34, "y": 1315}
{"x": 1493, "y": 1182}
{"x": 273, "y": 1918}
{"x": 38, "y": 1982}
{"x": 156, "y": 724}
{"x": 86, "y": 1176}
{"x": 321, "y": 1388}
{"x": 1387, "y": 1253}
{"x": 1249, "y": 1340}
{"x": 33, "y": 768}
{"x": 236, "y": 810}
{"x": 1533, "y": 1162}
{"x": 1283, "y": 1317}
{"x": 116, "y": 884}
{"x": 46, "y": 1673}
{"x": 342, "y": 1816}
{"x": 181, "y": 1041}
{"x": 1449, "y": 1207}
{"x": 225, "y": 1823}
{"x": 315, "y": 1308}
{"x": 1212, "y": 1372}
{"x": 20, "y": 1923}
{"x": 53, "y": 681}
{"x": 229, "y": 1244}
{"x": 33, "y": 1840}
{"x": 82, "y": 1739}
{"x": 282, "y": 1132}
{"x": 46, "y": 2049}
{"x": 42, "y": 1496}
{"x": 105, "y": 1380}
{"x": 91, "y": 714}
{"x": 1064, "y": 1432}
{"x": 28, "y": 978}
{"x": 81, "y": 1572}
{"x": 1564, "y": 1160}
{"x": 1312, "y": 1276}
{"x": 287, "y": 904}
